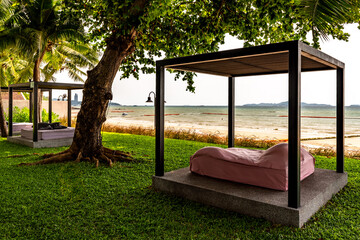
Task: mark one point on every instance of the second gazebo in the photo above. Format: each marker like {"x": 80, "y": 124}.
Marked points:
{"x": 42, "y": 138}
{"x": 303, "y": 199}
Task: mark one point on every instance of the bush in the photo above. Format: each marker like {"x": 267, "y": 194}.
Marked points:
{"x": 23, "y": 115}
{"x": 19, "y": 115}
{"x": 45, "y": 116}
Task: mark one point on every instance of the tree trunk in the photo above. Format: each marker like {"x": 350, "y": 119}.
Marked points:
{"x": 3, "y": 127}
{"x": 87, "y": 143}
{"x": 96, "y": 95}
{"x": 36, "y": 78}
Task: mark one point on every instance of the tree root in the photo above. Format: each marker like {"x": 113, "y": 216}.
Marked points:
{"x": 106, "y": 156}
{"x": 65, "y": 157}
{"x": 19, "y": 156}
{"x": 49, "y": 155}
{"x": 117, "y": 155}
{"x": 106, "y": 159}
{"x": 96, "y": 161}
{"x": 79, "y": 157}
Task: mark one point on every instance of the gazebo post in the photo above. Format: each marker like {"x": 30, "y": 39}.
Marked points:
{"x": 10, "y": 127}
{"x": 294, "y": 126}
{"x": 159, "y": 120}
{"x": 231, "y": 112}
{"x": 340, "y": 120}
{"x": 50, "y": 105}
{"x": 30, "y": 107}
{"x": 69, "y": 108}
{"x": 35, "y": 109}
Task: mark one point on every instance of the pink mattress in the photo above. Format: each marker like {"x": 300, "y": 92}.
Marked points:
{"x": 49, "y": 134}
{"x": 264, "y": 168}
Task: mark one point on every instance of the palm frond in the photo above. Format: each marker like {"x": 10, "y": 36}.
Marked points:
{"x": 73, "y": 67}
{"x": 54, "y": 59}
{"x": 69, "y": 34}
{"x": 14, "y": 19}
{"x": 78, "y": 58}
{"x": 76, "y": 77}
{"x": 24, "y": 40}
{"x": 326, "y": 15}
{"x": 74, "y": 72}
{"x": 48, "y": 73}
{"x": 4, "y": 9}
{"x": 13, "y": 71}
{"x": 15, "y": 68}
{"x": 25, "y": 74}
{"x": 3, "y": 82}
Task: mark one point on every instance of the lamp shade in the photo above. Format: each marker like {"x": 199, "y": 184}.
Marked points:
{"x": 149, "y": 100}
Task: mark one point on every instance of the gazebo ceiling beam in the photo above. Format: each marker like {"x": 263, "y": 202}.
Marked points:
{"x": 320, "y": 56}
{"x": 222, "y": 59}
{"x": 203, "y": 71}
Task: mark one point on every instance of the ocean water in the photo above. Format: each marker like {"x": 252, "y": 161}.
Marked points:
{"x": 316, "y": 121}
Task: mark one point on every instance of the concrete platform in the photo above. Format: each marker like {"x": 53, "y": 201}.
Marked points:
{"x": 41, "y": 143}
{"x": 259, "y": 202}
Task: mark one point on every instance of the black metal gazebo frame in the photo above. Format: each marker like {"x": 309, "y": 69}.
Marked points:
{"x": 33, "y": 88}
{"x": 291, "y": 57}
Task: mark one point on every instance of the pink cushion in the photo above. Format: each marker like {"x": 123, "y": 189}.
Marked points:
{"x": 264, "y": 168}
{"x": 49, "y": 134}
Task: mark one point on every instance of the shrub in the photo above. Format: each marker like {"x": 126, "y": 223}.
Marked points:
{"x": 45, "y": 116}
{"x": 23, "y": 115}
{"x": 19, "y": 115}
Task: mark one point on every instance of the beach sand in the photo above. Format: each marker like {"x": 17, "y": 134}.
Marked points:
{"x": 351, "y": 144}
{"x": 199, "y": 128}
{"x": 257, "y": 133}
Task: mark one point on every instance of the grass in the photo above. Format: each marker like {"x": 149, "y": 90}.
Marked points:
{"x": 78, "y": 201}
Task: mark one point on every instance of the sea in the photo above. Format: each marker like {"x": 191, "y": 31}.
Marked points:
{"x": 316, "y": 122}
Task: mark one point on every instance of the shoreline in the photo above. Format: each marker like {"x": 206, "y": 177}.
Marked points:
{"x": 351, "y": 143}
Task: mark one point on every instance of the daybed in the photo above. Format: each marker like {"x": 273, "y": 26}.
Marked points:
{"x": 264, "y": 168}
{"x": 49, "y": 131}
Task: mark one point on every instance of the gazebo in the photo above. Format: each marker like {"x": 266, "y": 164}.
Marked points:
{"x": 33, "y": 88}
{"x": 302, "y": 200}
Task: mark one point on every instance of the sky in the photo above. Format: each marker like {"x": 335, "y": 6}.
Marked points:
{"x": 317, "y": 87}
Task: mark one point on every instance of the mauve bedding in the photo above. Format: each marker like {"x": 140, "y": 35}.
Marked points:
{"x": 264, "y": 168}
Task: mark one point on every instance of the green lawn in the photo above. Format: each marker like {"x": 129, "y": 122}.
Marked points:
{"x": 78, "y": 201}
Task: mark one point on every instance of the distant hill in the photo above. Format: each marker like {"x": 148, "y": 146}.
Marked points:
{"x": 78, "y": 103}
{"x": 114, "y": 104}
{"x": 285, "y": 104}
{"x": 354, "y": 106}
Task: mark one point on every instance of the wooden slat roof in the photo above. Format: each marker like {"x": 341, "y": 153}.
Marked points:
{"x": 46, "y": 86}
{"x": 259, "y": 60}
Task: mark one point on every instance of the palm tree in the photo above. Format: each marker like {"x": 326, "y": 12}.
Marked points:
{"x": 40, "y": 29}
{"x": 47, "y": 38}
{"x": 7, "y": 67}
{"x": 12, "y": 68}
